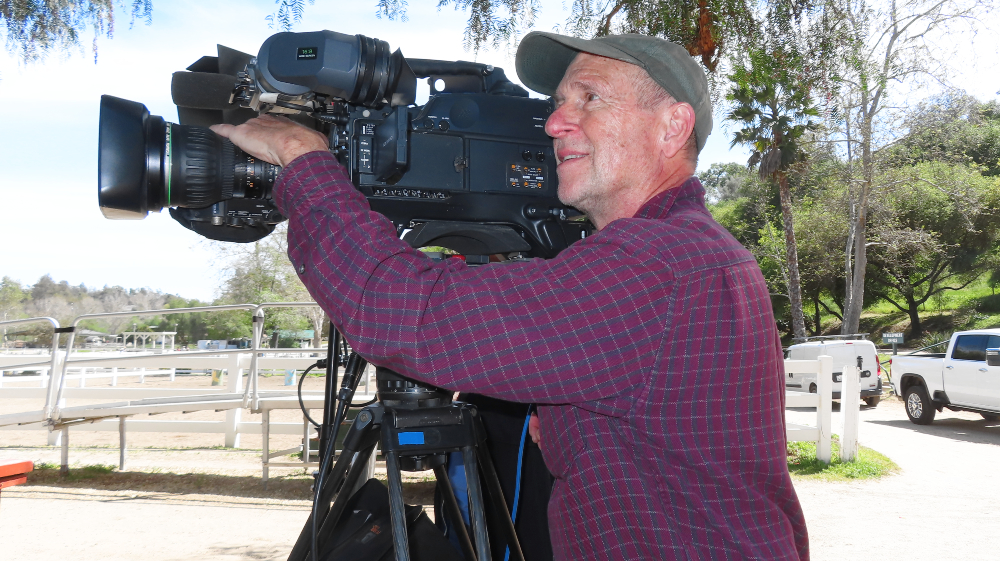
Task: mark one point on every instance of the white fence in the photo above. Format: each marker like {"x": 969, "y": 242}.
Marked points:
{"x": 63, "y": 375}
{"x": 822, "y": 400}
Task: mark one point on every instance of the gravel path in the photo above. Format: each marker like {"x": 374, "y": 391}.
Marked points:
{"x": 944, "y": 504}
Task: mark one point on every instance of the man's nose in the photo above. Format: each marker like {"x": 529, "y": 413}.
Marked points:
{"x": 560, "y": 122}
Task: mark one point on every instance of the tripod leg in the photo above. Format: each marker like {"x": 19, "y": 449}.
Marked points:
{"x": 353, "y": 461}
{"x": 496, "y": 494}
{"x": 454, "y": 513}
{"x": 477, "y": 511}
{"x": 397, "y": 510}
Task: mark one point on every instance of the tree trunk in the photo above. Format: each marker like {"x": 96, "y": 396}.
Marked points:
{"x": 852, "y": 315}
{"x": 856, "y": 285}
{"x": 818, "y": 326}
{"x": 792, "y": 259}
{"x": 913, "y": 309}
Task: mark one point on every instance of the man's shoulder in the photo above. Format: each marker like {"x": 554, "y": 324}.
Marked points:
{"x": 687, "y": 237}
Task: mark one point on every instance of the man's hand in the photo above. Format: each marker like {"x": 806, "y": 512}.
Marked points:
{"x": 273, "y": 139}
{"x": 535, "y": 429}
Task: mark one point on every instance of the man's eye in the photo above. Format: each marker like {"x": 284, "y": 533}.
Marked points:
{"x": 593, "y": 97}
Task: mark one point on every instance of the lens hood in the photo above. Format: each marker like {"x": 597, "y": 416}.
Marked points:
{"x": 123, "y": 164}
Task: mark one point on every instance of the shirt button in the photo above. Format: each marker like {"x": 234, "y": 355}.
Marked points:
{"x": 302, "y": 269}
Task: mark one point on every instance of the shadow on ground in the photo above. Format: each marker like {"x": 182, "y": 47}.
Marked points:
{"x": 296, "y": 487}
{"x": 963, "y": 430}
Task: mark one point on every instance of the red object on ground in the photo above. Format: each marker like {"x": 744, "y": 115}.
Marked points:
{"x": 14, "y": 473}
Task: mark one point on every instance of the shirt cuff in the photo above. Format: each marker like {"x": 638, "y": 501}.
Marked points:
{"x": 312, "y": 179}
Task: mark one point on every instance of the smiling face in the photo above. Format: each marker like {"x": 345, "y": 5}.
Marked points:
{"x": 604, "y": 136}
{"x": 619, "y": 138}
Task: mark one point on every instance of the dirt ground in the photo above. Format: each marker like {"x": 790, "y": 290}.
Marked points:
{"x": 943, "y": 504}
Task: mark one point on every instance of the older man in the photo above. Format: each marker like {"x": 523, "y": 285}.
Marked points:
{"x": 650, "y": 347}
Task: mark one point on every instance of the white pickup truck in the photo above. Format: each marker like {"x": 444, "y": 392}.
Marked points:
{"x": 965, "y": 378}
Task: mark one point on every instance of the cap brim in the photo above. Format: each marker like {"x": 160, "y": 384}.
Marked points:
{"x": 542, "y": 58}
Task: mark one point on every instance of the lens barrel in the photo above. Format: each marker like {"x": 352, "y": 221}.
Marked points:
{"x": 146, "y": 164}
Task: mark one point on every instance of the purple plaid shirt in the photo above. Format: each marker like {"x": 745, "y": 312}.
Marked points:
{"x": 650, "y": 348}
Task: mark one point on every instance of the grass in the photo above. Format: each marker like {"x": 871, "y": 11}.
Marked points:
{"x": 869, "y": 464}
{"x": 84, "y": 473}
{"x": 976, "y": 306}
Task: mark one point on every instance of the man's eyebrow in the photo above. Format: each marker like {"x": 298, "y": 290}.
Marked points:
{"x": 588, "y": 81}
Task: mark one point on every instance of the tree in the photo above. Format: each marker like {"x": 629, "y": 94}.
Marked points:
{"x": 955, "y": 127}
{"x": 708, "y": 29}
{"x": 33, "y": 28}
{"x": 880, "y": 47}
{"x": 260, "y": 272}
{"x": 937, "y": 233}
{"x": 189, "y": 327}
{"x": 770, "y": 97}
{"x": 723, "y": 182}
{"x": 12, "y": 295}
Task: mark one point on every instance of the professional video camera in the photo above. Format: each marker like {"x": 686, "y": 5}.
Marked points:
{"x": 471, "y": 170}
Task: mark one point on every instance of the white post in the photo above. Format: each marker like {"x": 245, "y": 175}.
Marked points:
{"x": 64, "y": 456}
{"x": 83, "y": 377}
{"x": 121, "y": 443}
{"x": 55, "y": 438}
{"x": 142, "y": 375}
{"x": 850, "y": 407}
{"x": 824, "y": 386}
{"x": 234, "y": 383}
{"x": 114, "y": 375}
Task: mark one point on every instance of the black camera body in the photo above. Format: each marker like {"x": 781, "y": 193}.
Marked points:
{"x": 472, "y": 169}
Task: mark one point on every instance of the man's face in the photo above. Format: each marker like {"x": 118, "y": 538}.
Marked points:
{"x": 602, "y": 135}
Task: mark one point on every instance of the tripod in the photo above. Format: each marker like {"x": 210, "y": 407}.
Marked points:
{"x": 418, "y": 426}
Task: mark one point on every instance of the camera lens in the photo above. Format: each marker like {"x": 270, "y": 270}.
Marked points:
{"x": 146, "y": 164}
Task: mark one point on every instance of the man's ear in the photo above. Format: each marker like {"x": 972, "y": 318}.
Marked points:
{"x": 676, "y": 125}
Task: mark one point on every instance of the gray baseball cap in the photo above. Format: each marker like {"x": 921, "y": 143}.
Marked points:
{"x": 542, "y": 59}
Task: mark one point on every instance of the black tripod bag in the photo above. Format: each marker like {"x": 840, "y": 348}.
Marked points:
{"x": 366, "y": 534}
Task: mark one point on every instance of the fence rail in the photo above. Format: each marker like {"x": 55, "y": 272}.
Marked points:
{"x": 822, "y": 400}
{"x": 64, "y": 374}
{"x": 61, "y": 367}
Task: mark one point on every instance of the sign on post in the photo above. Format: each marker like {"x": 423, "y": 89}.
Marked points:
{"x": 894, "y": 338}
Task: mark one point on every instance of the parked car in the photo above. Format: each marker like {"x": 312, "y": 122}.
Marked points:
{"x": 845, "y": 352}
{"x": 960, "y": 379}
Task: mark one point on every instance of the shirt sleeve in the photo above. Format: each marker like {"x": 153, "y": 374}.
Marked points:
{"x": 572, "y": 329}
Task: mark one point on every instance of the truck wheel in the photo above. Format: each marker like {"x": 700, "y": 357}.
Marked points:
{"x": 919, "y": 408}
{"x": 873, "y": 401}
{"x": 990, "y": 416}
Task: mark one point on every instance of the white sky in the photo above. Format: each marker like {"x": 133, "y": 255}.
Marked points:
{"x": 51, "y": 223}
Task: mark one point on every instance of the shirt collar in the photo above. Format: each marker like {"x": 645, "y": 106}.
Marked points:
{"x": 662, "y": 202}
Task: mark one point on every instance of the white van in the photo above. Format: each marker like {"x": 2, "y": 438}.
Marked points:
{"x": 845, "y": 351}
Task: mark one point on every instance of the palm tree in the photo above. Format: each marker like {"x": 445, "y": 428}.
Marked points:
{"x": 771, "y": 103}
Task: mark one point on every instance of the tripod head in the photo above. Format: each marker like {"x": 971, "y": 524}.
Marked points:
{"x": 401, "y": 392}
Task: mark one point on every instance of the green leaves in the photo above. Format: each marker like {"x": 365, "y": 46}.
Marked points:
{"x": 770, "y": 102}
{"x": 33, "y": 28}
